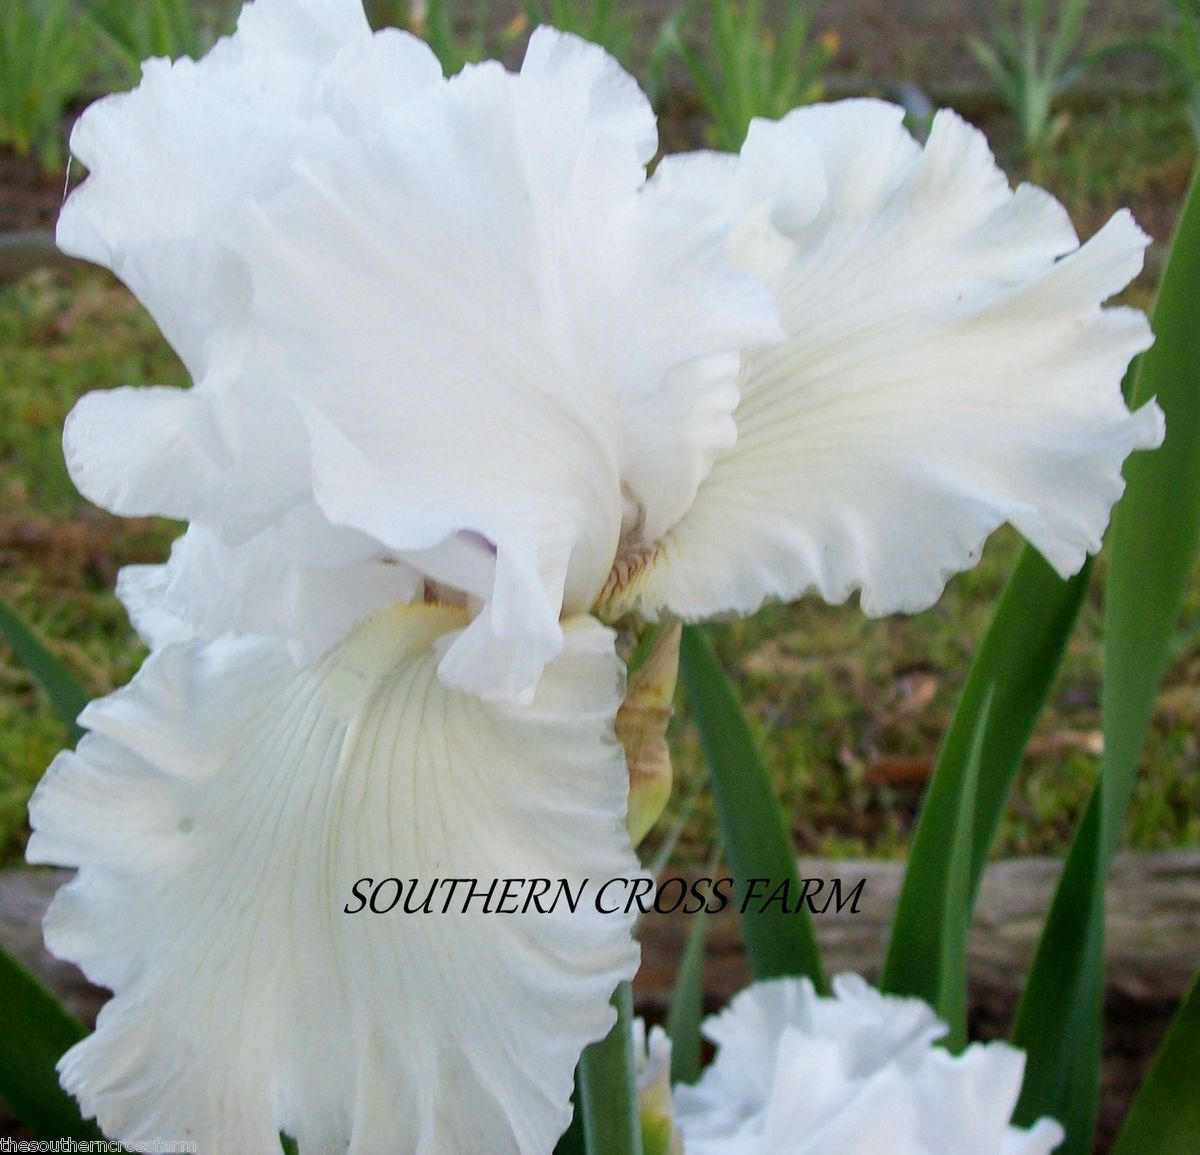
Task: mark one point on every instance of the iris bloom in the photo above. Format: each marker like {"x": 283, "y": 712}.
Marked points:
{"x": 469, "y": 387}
{"x": 797, "y": 1074}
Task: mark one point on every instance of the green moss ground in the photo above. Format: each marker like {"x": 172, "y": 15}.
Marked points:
{"x": 60, "y": 336}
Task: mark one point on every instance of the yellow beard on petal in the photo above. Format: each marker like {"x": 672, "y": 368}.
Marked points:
{"x": 619, "y": 592}
{"x": 380, "y": 641}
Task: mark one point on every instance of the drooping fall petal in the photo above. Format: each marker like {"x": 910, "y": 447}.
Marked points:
{"x": 221, "y": 810}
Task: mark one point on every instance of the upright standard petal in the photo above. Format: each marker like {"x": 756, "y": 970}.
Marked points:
{"x": 454, "y": 319}
{"x": 856, "y": 1074}
{"x": 222, "y": 811}
{"x": 556, "y": 341}
{"x": 948, "y": 368}
{"x": 173, "y": 163}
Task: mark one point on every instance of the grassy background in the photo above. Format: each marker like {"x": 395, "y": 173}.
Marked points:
{"x": 849, "y": 711}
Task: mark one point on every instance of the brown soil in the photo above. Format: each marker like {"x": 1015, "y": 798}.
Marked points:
{"x": 925, "y": 41}
{"x": 29, "y": 197}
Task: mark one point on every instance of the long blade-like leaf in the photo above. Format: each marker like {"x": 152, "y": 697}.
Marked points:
{"x": 572, "y": 1142}
{"x": 1156, "y": 526}
{"x": 1059, "y": 1022}
{"x": 63, "y": 689}
{"x": 1153, "y": 544}
{"x": 956, "y": 907}
{"x": 35, "y": 1030}
{"x": 779, "y": 941}
{"x": 612, "y": 1124}
{"x": 687, "y": 1005}
{"x": 1016, "y": 663}
{"x": 1165, "y": 1116}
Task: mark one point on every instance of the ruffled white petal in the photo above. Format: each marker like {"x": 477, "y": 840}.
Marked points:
{"x": 429, "y": 311}
{"x": 948, "y": 368}
{"x": 221, "y": 810}
{"x": 138, "y": 452}
{"x": 553, "y": 339}
{"x": 143, "y": 591}
{"x": 172, "y": 162}
{"x": 237, "y": 460}
{"x": 855, "y": 1074}
{"x": 305, "y": 580}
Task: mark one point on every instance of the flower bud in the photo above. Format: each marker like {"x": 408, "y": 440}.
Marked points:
{"x": 641, "y": 727}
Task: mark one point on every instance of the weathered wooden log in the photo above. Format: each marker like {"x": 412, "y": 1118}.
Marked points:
{"x": 1153, "y": 946}
{"x": 1153, "y": 928}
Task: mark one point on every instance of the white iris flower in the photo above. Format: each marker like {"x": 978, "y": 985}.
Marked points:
{"x": 854, "y": 1074}
{"x": 467, "y": 385}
